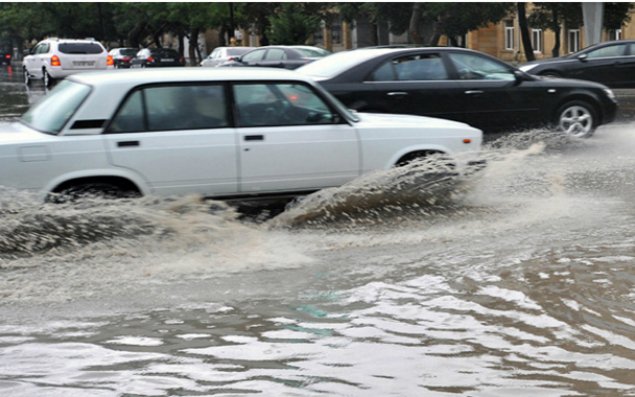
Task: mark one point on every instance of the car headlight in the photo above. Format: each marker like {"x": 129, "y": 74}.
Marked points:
{"x": 609, "y": 93}
{"x": 527, "y": 68}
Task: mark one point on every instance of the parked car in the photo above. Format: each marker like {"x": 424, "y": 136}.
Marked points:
{"x": 122, "y": 56}
{"x": 463, "y": 85}
{"x": 611, "y": 63}
{"x": 53, "y": 59}
{"x": 157, "y": 57}
{"x": 287, "y": 57}
{"x": 6, "y": 55}
{"x": 217, "y": 132}
{"x": 224, "y": 54}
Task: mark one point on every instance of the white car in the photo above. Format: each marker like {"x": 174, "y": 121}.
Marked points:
{"x": 215, "y": 132}
{"x": 53, "y": 59}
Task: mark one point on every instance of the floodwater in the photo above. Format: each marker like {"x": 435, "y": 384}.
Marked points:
{"x": 519, "y": 281}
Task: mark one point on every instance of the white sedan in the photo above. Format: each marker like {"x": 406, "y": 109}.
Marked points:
{"x": 218, "y": 132}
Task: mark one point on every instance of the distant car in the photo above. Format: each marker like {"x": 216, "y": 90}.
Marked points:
{"x": 53, "y": 59}
{"x": 6, "y": 55}
{"x": 157, "y": 57}
{"x": 611, "y": 63}
{"x": 224, "y": 54}
{"x": 216, "y": 132}
{"x": 287, "y": 57}
{"x": 463, "y": 85}
{"x": 123, "y": 56}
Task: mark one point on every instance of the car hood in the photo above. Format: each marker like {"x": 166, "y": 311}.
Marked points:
{"x": 11, "y": 133}
{"x": 376, "y": 119}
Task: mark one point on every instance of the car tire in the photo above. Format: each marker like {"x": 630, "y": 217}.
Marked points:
{"x": 27, "y": 77}
{"x": 47, "y": 80}
{"x": 93, "y": 190}
{"x": 577, "y": 119}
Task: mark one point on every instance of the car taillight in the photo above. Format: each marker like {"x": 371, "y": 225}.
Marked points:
{"x": 55, "y": 61}
{"x": 110, "y": 61}
{"x": 126, "y": 59}
{"x": 8, "y": 56}
{"x": 150, "y": 59}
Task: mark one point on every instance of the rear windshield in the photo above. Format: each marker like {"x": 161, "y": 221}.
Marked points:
{"x": 165, "y": 52}
{"x": 311, "y": 53}
{"x": 55, "y": 109}
{"x": 80, "y": 48}
{"x": 238, "y": 51}
{"x": 337, "y": 63}
{"x": 128, "y": 51}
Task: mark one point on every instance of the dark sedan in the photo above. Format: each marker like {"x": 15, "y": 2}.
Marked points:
{"x": 6, "y": 55}
{"x": 156, "y": 57}
{"x": 288, "y": 57}
{"x": 611, "y": 63}
{"x": 462, "y": 85}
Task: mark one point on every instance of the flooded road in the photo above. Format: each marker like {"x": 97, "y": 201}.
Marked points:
{"x": 519, "y": 281}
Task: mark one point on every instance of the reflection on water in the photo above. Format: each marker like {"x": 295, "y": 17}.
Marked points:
{"x": 516, "y": 282}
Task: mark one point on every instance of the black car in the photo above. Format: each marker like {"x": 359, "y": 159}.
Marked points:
{"x": 462, "y": 85}
{"x": 156, "y": 57}
{"x": 122, "y": 57}
{"x": 611, "y": 63}
{"x": 288, "y": 57}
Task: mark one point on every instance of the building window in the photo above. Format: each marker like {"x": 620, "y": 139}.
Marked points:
{"x": 509, "y": 35}
{"x": 536, "y": 39}
{"x": 573, "y": 37}
{"x": 615, "y": 34}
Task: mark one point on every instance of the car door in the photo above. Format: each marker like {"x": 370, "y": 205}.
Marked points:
{"x": 603, "y": 65}
{"x": 35, "y": 61}
{"x": 178, "y": 138}
{"x": 494, "y": 98}
{"x": 290, "y": 139}
{"x": 416, "y": 83}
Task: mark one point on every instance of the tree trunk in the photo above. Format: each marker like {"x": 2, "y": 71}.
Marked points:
{"x": 415, "y": 21}
{"x": 193, "y": 46}
{"x": 524, "y": 32}
{"x": 556, "y": 30}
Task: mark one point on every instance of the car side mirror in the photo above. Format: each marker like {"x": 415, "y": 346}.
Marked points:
{"x": 583, "y": 57}
{"x": 520, "y": 76}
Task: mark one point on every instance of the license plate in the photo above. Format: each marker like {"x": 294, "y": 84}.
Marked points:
{"x": 83, "y": 63}
{"x": 167, "y": 60}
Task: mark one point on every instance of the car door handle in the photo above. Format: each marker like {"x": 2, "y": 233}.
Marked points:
{"x": 397, "y": 93}
{"x": 473, "y": 92}
{"x": 254, "y": 137}
{"x": 127, "y": 143}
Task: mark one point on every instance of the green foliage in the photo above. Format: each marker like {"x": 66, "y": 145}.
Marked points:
{"x": 292, "y": 23}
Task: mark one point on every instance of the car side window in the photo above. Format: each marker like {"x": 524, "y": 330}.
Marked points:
{"x": 279, "y": 104}
{"x": 166, "y": 108}
{"x": 477, "y": 67}
{"x": 275, "y": 54}
{"x": 254, "y": 56}
{"x": 606, "y": 52}
{"x": 420, "y": 67}
{"x": 385, "y": 72}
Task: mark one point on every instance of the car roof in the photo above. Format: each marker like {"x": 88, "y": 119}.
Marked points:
{"x": 162, "y": 75}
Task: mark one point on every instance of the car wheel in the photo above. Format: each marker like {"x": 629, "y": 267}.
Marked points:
{"x": 577, "y": 119}
{"x": 94, "y": 190}
{"x": 27, "y": 78}
{"x": 47, "y": 80}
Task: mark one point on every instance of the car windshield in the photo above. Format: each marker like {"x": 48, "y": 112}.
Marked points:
{"x": 80, "y": 48}
{"x": 55, "y": 109}
{"x": 337, "y": 63}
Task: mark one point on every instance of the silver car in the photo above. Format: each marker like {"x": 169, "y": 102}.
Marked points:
{"x": 224, "y": 54}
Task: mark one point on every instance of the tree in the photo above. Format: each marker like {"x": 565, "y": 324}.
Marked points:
{"x": 524, "y": 32}
{"x": 293, "y": 23}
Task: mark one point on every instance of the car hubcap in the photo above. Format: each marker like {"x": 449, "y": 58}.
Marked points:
{"x": 26, "y": 77}
{"x": 576, "y": 121}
